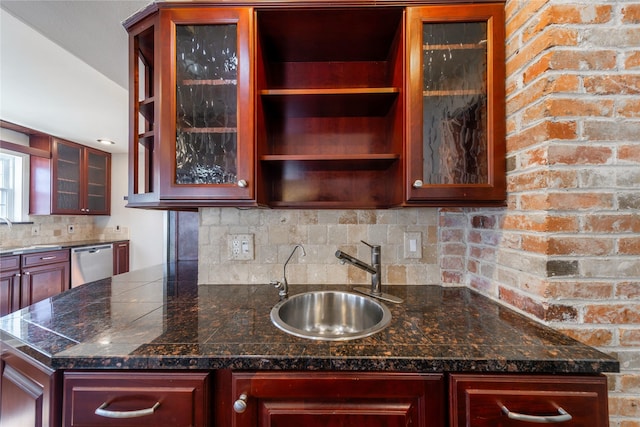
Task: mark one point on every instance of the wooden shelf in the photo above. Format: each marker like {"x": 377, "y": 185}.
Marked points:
{"x": 146, "y": 139}
{"x": 318, "y": 162}
{"x": 459, "y": 46}
{"x": 209, "y": 82}
{"x": 209, "y": 130}
{"x": 428, "y": 93}
{"x": 338, "y": 102}
{"x": 146, "y": 107}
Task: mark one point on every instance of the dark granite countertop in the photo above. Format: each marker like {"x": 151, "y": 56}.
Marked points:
{"x": 159, "y": 318}
{"x": 19, "y": 250}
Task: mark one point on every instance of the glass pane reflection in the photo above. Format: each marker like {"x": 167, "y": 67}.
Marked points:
{"x": 206, "y": 104}
{"x": 455, "y": 103}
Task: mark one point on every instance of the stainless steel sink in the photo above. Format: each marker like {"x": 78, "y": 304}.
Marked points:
{"x": 330, "y": 315}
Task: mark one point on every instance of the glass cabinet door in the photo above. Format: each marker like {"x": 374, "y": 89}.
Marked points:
{"x": 66, "y": 181}
{"x": 97, "y": 181}
{"x": 209, "y": 158}
{"x": 456, "y": 114}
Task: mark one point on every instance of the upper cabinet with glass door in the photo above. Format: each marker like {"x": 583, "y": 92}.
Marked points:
{"x": 194, "y": 121}
{"x": 455, "y": 148}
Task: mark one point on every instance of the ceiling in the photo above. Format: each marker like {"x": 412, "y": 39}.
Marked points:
{"x": 64, "y": 68}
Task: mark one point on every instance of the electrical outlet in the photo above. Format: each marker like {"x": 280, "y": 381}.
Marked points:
{"x": 71, "y": 228}
{"x": 35, "y": 230}
{"x": 413, "y": 245}
{"x": 241, "y": 247}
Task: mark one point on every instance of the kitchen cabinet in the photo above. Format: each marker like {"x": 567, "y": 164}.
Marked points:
{"x": 120, "y": 257}
{"x": 330, "y": 89}
{"x": 9, "y": 284}
{"x": 191, "y": 140}
{"x": 29, "y": 278}
{"x": 44, "y": 274}
{"x": 316, "y": 105}
{"x": 515, "y": 400}
{"x": 333, "y": 398}
{"x": 75, "y": 181}
{"x": 136, "y": 399}
{"x": 30, "y": 393}
{"x": 455, "y": 109}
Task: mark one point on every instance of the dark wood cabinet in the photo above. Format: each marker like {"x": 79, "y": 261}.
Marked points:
{"x": 136, "y": 399}
{"x": 191, "y": 140}
{"x": 30, "y": 394}
{"x": 75, "y": 181}
{"x": 333, "y": 398}
{"x": 455, "y": 110}
{"x": 120, "y": 257}
{"x": 9, "y": 284}
{"x": 330, "y": 89}
{"x": 44, "y": 274}
{"x": 355, "y": 106}
{"x": 29, "y": 278}
{"x": 515, "y": 400}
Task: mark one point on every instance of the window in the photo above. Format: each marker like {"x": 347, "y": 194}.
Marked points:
{"x": 14, "y": 183}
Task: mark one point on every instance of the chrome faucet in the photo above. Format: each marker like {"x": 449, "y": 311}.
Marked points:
{"x": 374, "y": 269}
{"x": 283, "y": 286}
{"x": 9, "y": 223}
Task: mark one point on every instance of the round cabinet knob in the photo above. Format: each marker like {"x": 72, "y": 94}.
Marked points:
{"x": 417, "y": 183}
{"x": 242, "y": 183}
{"x": 240, "y": 405}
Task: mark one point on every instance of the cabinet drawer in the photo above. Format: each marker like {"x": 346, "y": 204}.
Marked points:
{"x": 135, "y": 399}
{"x": 42, "y": 258}
{"x": 10, "y": 262}
{"x": 520, "y": 400}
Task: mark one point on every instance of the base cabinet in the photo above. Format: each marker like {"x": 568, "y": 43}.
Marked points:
{"x": 9, "y": 284}
{"x": 315, "y": 399}
{"x": 519, "y": 400}
{"x": 120, "y": 258}
{"x": 44, "y": 274}
{"x": 29, "y": 392}
{"x": 136, "y": 399}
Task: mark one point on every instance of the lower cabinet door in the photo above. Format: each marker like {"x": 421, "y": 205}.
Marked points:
{"x": 136, "y": 399}
{"x": 336, "y": 399}
{"x": 44, "y": 281}
{"x": 522, "y": 400}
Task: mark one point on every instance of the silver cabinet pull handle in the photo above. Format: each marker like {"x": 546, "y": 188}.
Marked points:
{"x": 418, "y": 183}
{"x": 540, "y": 419}
{"x": 240, "y": 405}
{"x": 44, "y": 258}
{"x": 242, "y": 183}
{"x": 103, "y": 412}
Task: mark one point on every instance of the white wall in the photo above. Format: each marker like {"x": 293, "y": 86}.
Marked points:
{"x": 146, "y": 228}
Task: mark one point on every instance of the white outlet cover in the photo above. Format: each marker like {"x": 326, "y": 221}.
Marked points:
{"x": 240, "y": 247}
{"x": 413, "y": 245}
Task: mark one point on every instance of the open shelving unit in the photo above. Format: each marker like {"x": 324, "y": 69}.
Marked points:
{"x": 329, "y": 107}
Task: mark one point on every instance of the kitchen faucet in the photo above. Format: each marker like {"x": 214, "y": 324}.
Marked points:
{"x": 2, "y": 218}
{"x": 283, "y": 287}
{"x": 374, "y": 269}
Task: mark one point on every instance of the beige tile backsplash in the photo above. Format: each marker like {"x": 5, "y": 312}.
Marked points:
{"x": 52, "y": 229}
{"x": 321, "y": 232}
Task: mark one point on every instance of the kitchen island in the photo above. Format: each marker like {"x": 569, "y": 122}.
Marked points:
{"x": 160, "y": 320}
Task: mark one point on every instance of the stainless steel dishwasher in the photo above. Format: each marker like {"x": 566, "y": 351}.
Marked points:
{"x": 91, "y": 263}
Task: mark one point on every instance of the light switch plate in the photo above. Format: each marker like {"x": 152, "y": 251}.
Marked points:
{"x": 413, "y": 245}
{"x": 241, "y": 247}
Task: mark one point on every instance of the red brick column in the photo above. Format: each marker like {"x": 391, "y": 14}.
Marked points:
{"x": 566, "y": 249}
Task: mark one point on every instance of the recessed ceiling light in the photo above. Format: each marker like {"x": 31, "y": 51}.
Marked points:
{"x": 106, "y": 141}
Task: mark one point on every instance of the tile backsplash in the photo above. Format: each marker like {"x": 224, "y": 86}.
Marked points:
{"x": 51, "y": 229}
{"x": 321, "y": 232}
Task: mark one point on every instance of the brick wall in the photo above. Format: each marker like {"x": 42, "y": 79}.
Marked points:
{"x": 566, "y": 250}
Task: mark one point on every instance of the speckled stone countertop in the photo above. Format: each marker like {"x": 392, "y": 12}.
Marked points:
{"x": 19, "y": 250}
{"x": 159, "y": 318}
